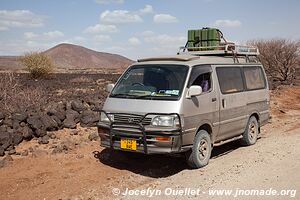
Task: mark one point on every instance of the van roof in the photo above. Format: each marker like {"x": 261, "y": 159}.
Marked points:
{"x": 188, "y": 59}
{"x": 170, "y": 58}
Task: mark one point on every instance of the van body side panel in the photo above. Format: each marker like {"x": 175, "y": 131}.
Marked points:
{"x": 233, "y": 112}
{"x": 257, "y": 102}
{"x": 233, "y": 115}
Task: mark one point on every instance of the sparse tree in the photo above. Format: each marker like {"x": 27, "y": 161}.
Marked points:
{"x": 280, "y": 58}
{"x": 38, "y": 64}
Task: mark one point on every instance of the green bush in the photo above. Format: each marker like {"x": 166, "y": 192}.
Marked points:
{"x": 38, "y": 64}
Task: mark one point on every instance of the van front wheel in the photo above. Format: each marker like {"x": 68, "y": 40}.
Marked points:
{"x": 251, "y": 132}
{"x": 201, "y": 151}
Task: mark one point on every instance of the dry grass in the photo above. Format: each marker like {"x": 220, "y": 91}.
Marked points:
{"x": 15, "y": 97}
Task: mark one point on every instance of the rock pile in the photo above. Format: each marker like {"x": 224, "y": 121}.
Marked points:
{"x": 35, "y": 123}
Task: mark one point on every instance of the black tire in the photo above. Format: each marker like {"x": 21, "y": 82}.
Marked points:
{"x": 201, "y": 151}
{"x": 251, "y": 132}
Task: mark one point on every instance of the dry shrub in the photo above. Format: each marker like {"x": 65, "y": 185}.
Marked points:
{"x": 15, "y": 97}
{"x": 38, "y": 64}
{"x": 280, "y": 58}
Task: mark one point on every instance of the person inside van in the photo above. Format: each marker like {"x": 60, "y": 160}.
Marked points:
{"x": 203, "y": 80}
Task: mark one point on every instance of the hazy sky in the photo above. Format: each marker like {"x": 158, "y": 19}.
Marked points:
{"x": 139, "y": 28}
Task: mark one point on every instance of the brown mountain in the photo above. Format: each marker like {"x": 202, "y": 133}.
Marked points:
{"x": 73, "y": 57}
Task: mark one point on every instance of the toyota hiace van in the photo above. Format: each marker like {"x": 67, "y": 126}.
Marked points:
{"x": 187, "y": 103}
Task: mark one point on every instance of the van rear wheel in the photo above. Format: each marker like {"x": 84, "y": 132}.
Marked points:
{"x": 201, "y": 151}
{"x": 251, "y": 132}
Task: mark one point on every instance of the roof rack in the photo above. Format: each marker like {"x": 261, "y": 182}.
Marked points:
{"x": 250, "y": 53}
{"x": 225, "y": 49}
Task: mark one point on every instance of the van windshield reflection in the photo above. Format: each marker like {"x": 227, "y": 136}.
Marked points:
{"x": 151, "y": 82}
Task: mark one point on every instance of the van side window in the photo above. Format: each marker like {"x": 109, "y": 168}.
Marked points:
{"x": 254, "y": 78}
{"x": 204, "y": 81}
{"x": 230, "y": 79}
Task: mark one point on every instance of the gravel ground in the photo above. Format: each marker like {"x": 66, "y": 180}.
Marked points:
{"x": 83, "y": 170}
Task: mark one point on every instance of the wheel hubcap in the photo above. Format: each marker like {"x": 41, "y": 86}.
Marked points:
{"x": 203, "y": 149}
{"x": 252, "y": 131}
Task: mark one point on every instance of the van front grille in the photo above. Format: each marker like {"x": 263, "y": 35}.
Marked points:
{"x": 127, "y": 118}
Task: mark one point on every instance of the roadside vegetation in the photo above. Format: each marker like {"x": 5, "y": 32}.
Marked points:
{"x": 14, "y": 96}
{"x": 38, "y": 64}
{"x": 280, "y": 58}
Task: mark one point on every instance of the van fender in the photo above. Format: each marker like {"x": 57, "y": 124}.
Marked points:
{"x": 190, "y": 134}
{"x": 207, "y": 125}
{"x": 256, "y": 114}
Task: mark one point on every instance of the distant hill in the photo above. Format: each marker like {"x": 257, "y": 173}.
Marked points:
{"x": 73, "y": 57}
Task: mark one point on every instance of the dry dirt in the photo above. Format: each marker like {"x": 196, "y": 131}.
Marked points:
{"x": 87, "y": 171}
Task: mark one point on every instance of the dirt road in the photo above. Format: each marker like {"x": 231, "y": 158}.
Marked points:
{"x": 273, "y": 163}
{"x": 86, "y": 171}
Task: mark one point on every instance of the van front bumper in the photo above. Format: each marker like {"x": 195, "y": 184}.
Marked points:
{"x": 149, "y": 140}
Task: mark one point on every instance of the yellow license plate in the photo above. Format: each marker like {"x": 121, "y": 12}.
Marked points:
{"x": 128, "y": 144}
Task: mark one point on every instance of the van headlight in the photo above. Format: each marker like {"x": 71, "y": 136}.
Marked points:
{"x": 166, "y": 121}
{"x": 105, "y": 117}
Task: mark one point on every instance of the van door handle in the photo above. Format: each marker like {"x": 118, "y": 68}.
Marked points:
{"x": 223, "y": 103}
{"x": 214, "y": 99}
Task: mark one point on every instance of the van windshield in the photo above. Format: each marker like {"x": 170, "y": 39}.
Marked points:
{"x": 151, "y": 82}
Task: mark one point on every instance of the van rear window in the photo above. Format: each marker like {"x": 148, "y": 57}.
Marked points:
{"x": 230, "y": 79}
{"x": 254, "y": 78}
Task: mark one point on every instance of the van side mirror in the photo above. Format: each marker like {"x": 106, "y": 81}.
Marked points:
{"x": 194, "y": 90}
{"x": 110, "y": 87}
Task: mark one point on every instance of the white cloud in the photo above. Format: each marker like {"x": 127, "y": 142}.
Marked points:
{"x": 19, "y": 47}
{"x": 102, "y": 38}
{"x": 148, "y": 9}
{"x": 164, "y": 44}
{"x": 109, "y": 1}
{"x": 167, "y": 40}
{"x": 101, "y": 28}
{"x": 120, "y": 17}
{"x": 164, "y": 18}
{"x": 30, "y": 35}
{"x": 78, "y": 39}
{"x": 52, "y": 35}
{"x": 146, "y": 33}
{"x": 134, "y": 41}
{"x": 3, "y": 28}
{"x": 227, "y": 23}
{"x": 19, "y": 19}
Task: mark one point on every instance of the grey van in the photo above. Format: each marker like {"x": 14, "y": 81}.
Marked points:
{"x": 186, "y": 103}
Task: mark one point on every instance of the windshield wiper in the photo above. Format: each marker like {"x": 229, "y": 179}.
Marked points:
{"x": 122, "y": 95}
{"x": 142, "y": 96}
{"x": 159, "y": 96}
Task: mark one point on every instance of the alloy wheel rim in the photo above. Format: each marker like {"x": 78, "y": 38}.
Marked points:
{"x": 203, "y": 149}
{"x": 252, "y": 131}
